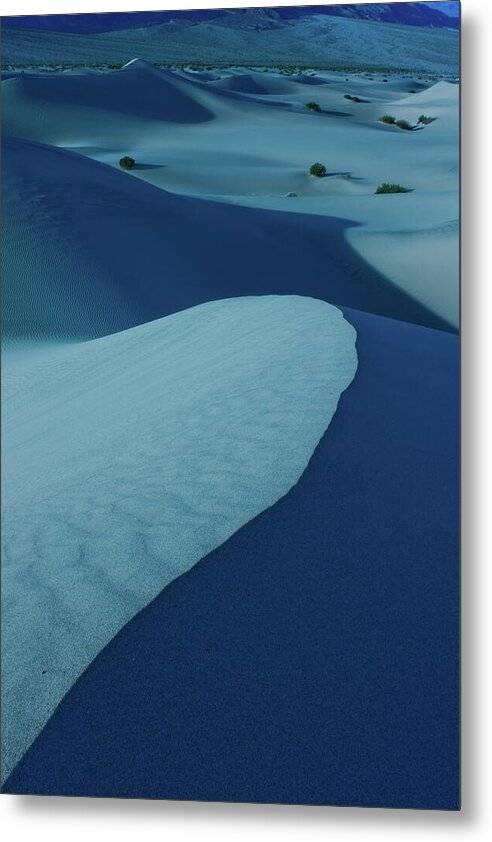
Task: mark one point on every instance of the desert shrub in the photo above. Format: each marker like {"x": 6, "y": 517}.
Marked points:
{"x": 313, "y": 106}
{"x": 388, "y": 119}
{"x": 127, "y": 163}
{"x": 391, "y": 188}
{"x": 292, "y": 195}
{"x": 319, "y": 170}
{"x": 424, "y": 120}
{"x": 404, "y": 124}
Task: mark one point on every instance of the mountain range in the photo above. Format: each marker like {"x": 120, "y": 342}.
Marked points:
{"x": 352, "y": 36}
{"x": 436, "y": 14}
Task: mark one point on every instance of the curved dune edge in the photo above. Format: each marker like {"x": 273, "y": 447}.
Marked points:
{"x": 68, "y": 278}
{"x": 294, "y": 632}
{"x": 131, "y": 457}
{"x": 435, "y": 280}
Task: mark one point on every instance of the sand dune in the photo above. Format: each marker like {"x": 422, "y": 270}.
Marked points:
{"x": 129, "y": 458}
{"x": 433, "y": 254}
{"x": 376, "y": 514}
{"x": 242, "y": 83}
{"x": 211, "y": 140}
{"x": 115, "y": 413}
{"x": 137, "y": 90}
{"x": 96, "y": 286}
{"x": 441, "y": 94}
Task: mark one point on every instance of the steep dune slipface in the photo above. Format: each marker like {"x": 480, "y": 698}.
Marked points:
{"x": 421, "y": 258}
{"x": 60, "y": 282}
{"x": 60, "y": 107}
{"x": 255, "y": 83}
{"x": 129, "y": 458}
{"x": 440, "y": 95}
{"x": 439, "y": 101}
{"x": 244, "y": 83}
{"x": 90, "y": 250}
{"x": 432, "y": 254}
{"x": 138, "y": 89}
{"x": 329, "y": 594}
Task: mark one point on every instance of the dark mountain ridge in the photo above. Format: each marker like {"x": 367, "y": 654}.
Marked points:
{"x": 408, "y": 14}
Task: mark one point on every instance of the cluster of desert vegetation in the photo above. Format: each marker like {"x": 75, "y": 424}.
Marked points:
{"x": 423, "y": 120}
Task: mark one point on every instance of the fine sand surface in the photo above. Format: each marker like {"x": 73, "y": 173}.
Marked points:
{"x": 248, "y": 139}
{"x": 320, "y": 664}
{"x": 173, "y": 356}
{"x": 129, "y": 458}
{"x": 96, "y": 286}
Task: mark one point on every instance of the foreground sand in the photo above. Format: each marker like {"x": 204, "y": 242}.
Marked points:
{"x": 129, "y": 458}
{"x": 97, "y": 261}
{"x": 312, "y": 657}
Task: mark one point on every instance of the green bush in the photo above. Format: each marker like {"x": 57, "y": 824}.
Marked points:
{"x": 319, "y": 170}
{"x": 313, "y": 106}
{"x": 352, "y": 98}
{"x": 404, "y": 124}
{"x": 391, "y": 188}
{"x": 424, "y": 120}
{"x": 388, "y": 119}
{"x": 127, "y": 163}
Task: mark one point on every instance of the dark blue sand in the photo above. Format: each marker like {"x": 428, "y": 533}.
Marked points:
{"x": 313, "y": 657}
{"x": 168, "y": 232}
{"x": 122, "y": 92}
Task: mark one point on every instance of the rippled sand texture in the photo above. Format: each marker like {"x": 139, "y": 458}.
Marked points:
{"x": 177, "y": 338}
{"x": 129, "y": 458}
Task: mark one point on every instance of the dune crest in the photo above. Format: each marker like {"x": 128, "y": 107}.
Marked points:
{"x": 129, "y": 458}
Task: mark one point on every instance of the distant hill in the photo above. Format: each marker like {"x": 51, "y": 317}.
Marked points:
{"x": 337, "y": 36}
{"x": 410, "y": 14}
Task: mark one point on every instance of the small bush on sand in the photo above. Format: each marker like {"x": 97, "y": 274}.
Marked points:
{"x": 388, "y": 119}
{"x": 127, "y": 163}
{"x": 313, "y": 106}
{"x": 352, "y": 98}
{"x": 404, "y": 124}
{"x": 424, "y": 120}
{"x": 319, "y": 170}
{"x": 391, "y": 188}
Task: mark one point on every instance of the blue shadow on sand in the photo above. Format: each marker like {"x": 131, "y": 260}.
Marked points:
{"x": 284, "y": 253}
{"x": 312, "y": 658}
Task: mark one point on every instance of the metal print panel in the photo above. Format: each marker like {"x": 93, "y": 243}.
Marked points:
{"x": 230, "y": 405}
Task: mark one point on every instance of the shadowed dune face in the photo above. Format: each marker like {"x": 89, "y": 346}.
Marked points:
{"x": 242, "y": 83}
{"x": 137, "y": 90}
{"x": 193, "y": 250}
{"x": 306, "y": 79}
{"x": 337, "y": 670}
{"x": 125, "y": 400}
{"x": 129, "y": 458}
{"x": 215, "y": 141}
